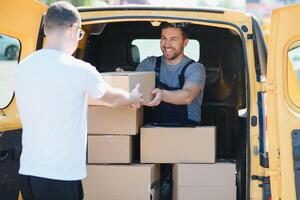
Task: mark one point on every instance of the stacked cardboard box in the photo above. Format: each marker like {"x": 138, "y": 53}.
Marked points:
{"x": 204, "y": 181}
{"x": 191, "y": 150}
{"x": 109, "y": 149}
{"x": 178, "y": 145}
{"x": 117, "y": 121}
{"x": 200, "y": 177}
{"x": 110, "y": 141}
{"x": 122, "y": 182}
{"x": 111, "y": 129}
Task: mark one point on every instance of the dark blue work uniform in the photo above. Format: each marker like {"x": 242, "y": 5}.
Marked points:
{"x": 167, "y": 113}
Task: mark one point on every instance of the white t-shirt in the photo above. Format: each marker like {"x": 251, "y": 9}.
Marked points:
{"x": 51, "y": 90}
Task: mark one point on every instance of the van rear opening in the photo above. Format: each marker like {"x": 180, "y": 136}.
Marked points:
{"x": 125, "y": 44}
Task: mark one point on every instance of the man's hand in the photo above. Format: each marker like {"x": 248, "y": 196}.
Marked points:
{"x": 117, "y": 97}
{"x": 136, "y": 97}
{"x": 157, "y": 98}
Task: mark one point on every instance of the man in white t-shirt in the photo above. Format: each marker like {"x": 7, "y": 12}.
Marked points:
{"x": 51, "y": 90}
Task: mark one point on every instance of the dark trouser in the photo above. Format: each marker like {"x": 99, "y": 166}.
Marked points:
{"x": 166, "y": 182}
{"x": 36, "y": 188}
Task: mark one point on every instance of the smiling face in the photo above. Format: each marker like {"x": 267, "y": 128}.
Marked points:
{"x": 172, "y": 44}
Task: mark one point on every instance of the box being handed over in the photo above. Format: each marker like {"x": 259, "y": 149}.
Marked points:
{"x": 128, "y": 80}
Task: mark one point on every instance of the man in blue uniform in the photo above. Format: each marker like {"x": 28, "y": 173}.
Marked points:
{"x": 179, "y": 80}
{"x": 179, "y": 87}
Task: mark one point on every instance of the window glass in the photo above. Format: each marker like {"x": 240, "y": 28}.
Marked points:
{"x": 294, "y": 58}
{"x": 151, "y": 47}
{"x": 9, "y": 54}
{"x": 293, "y": 73}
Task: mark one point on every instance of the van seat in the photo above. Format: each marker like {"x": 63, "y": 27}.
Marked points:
{"x": 135, "y": 54}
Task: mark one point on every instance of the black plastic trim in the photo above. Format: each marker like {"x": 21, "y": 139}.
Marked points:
{"x": 253, "y": 121}
{"x": 263, "y": 155}
{"x": 260, "y": 50}
{"x": 39, "y": 42}
{"x": 296, "y": 159}
{"x": 265, "y": 185}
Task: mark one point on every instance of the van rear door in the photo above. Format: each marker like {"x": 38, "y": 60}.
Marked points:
{"x": 19, "y": 28}
{"x": 283, "y": 103}
{"x": 20, "y": 22}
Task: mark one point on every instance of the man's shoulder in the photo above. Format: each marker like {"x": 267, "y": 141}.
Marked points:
{"x": 80, "y": 63}
{"x": 75, "y": 63}
{"x": 147, "y": 64}
{"x": 29, "y": 58}
{"x": 194, "y": 65}
{"x": 198, "y": 65}
{"x": 150, "y": 59}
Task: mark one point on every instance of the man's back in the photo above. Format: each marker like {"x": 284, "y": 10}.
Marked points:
{"x": 51, "y": 92}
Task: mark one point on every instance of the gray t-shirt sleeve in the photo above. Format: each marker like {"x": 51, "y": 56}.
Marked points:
{"x": 195, "y": 73}
{"x": 148, "y": 64}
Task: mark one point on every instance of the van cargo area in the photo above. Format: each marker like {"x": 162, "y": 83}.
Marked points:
{"x": 220, "y": 50}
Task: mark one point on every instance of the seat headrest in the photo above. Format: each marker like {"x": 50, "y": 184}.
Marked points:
{"x": 135, "y": 54}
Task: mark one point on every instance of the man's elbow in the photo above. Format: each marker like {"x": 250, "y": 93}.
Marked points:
{"x": 190, "y": 96}
{"x": 189, "y": 100}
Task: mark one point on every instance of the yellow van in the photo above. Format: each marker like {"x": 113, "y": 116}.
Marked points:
{"x": 252, "y": 95}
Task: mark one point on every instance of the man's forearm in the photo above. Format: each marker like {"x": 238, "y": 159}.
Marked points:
{"x": 113, "y": 97}
{"x": 177, "y": 97}
{"x": 120, "y": 98}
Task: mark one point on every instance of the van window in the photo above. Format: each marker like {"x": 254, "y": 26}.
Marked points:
{"x": 294, "y": 72}
{"x": 9, "y": 54}
{"x": 151, "y": 47}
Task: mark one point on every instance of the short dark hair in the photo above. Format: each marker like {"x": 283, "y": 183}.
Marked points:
{"x": 182, "y": 26}
{"x": 61, "y": 14}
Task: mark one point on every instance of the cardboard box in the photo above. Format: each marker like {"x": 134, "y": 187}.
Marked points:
{"x": 204, "y": 181}
{"x": 128, "y": 80}
{"x": 121, "y": 182}
{"x": 178, "y": 145}
{"x": 109, "y": 149}
{"x": 119, "y": 121}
